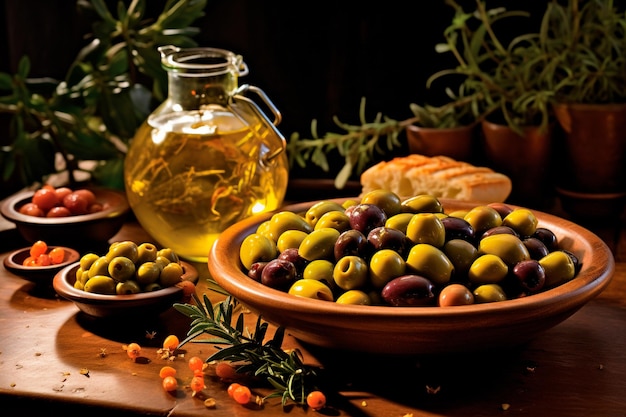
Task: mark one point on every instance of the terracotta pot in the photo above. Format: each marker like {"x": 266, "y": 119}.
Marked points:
{"x": 525, "y": 159}
{"x": 594, "y": 157}
{"x": 457, "y": 142}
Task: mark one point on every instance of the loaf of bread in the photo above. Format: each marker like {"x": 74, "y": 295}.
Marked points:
{"x": 439, "y": 176}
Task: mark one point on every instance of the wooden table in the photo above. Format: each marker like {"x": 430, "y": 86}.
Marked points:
{"x": 56, "y": 361}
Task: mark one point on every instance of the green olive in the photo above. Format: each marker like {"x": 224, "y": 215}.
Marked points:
{"x": 430, "y": 262}
{"x": 483, "y": 218}
{"x": 387, "y": 200}
{"x": 458, "y": 213}
{"x": 171, "y": 274}
{"x": 287, "y": 220}
{"x": 350, "y": 273}
{"x": 127, "y": 287}
{"x": 264, "y": 229}
{"x": 319, "y": 244}
{"x": 100, "y": 284}
{"x": 506, "y": 246}
{"x": 349, "y": 203}
{"x": 161, "y": 261}
{"x": 121, "y": 268}
{"x": 399, "y": 222}
{"x": 385, "y": 265}
{"x": 462, "y": 254}
{"x": 559, "y": 268}
{"x": 168, "y": 254}
{"x": 354, "y": 297}
{"x": 84, "y": 276}
{"x": 147, "y": 273}
{"x": 320, "y": 270}
{"x": 99, "y": 267}
{"x": 489, "y": 293}
{"x": 146, "y": 252}
{"x": 311, "y": 288}
{"x": 522, "y": 220}
{"x": 87, "y": 260}
{"x": 317, "y": 210}
{"x": 79, "y": 285}
{"x": 334, "y": 219}
{"x": 426, "y": 228}
{"x": 290, "y": 239}
{"x": 487, "y": 269}
{"x": 127, "y": 249}
{"x": 422, "y": 203}
{"x": 155, "y": 286}
{"x": 257, "y": 248}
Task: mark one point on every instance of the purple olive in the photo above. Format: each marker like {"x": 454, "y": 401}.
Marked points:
{"x": 256, "y": 270}
{"x": 352, "y": 242}
{"x": 536, "y": 248}
{"x": 387, "y": 238}
{"x": 293, "y": 255}
{"x": 530, "y": 274}
{"x": 498, "y": 230}
{"x": 365, "y": 217}
{"x": 278, "y": 274}
{"x": 409, "y": 291}
{"x": 458, "y": 228}
{"x": 548, "y": 238}
{"x": 502, "y": 208}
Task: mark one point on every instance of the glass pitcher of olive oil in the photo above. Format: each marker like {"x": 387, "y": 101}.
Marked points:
{"x": 207, "y": 157}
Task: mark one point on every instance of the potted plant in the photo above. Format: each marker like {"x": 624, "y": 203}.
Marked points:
{"x": 80, "y": 127}
{"x": 489, "y": 82}
{"x": 448, "y": 129}
{"x": 510, "y": 101}
{"x": 583, "y": 45}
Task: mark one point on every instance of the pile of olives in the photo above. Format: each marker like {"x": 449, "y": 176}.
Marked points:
{"x": 382, "y": 250}
{"x": 128, "y": 268}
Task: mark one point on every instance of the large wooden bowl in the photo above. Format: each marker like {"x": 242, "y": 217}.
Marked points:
{"x": 418, "y": 330}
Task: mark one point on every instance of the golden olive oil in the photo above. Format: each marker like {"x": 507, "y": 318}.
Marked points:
{"x": 189, "y": 175}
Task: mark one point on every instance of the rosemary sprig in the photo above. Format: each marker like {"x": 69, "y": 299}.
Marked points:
{"x": 357, "y": 145}
{"x": 284, "y": 371}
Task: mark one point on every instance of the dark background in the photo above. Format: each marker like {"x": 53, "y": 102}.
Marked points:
{"x": 314, "y": 59}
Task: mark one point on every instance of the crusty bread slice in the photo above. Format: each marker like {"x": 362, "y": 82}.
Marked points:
{"x": 439, "y": 176}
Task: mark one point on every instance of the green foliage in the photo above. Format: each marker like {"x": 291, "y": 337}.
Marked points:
{"x": 500, "y": 75}
{"x": 255, "y": 357}
{"x": 357, "y": 145}
{"x": 107, "y": 93}
{"x": 584, "y": 45}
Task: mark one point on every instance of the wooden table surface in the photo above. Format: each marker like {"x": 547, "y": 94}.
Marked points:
{"x": 56, "y": 361}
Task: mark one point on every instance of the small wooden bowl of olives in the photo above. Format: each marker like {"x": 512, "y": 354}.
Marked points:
{"x": 58, "y": 226}
{"x": 131, "y": 281}
{"x": 416, "y": 321}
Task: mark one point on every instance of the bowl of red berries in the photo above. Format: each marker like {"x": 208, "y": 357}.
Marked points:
{"x": 67, "y": 216}
{"x": 39, "y": 263}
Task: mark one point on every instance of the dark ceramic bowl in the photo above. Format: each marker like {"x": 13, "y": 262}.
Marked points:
{"x": 417, "y": 330}
{"x": 128, "y": 306}
{"x": 41, "y": 275}
{"x": 71, "y": 230}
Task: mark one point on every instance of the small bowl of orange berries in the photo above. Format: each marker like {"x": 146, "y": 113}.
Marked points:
{"x": 39, "y": 263}
{"x": 67, "y": 216}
